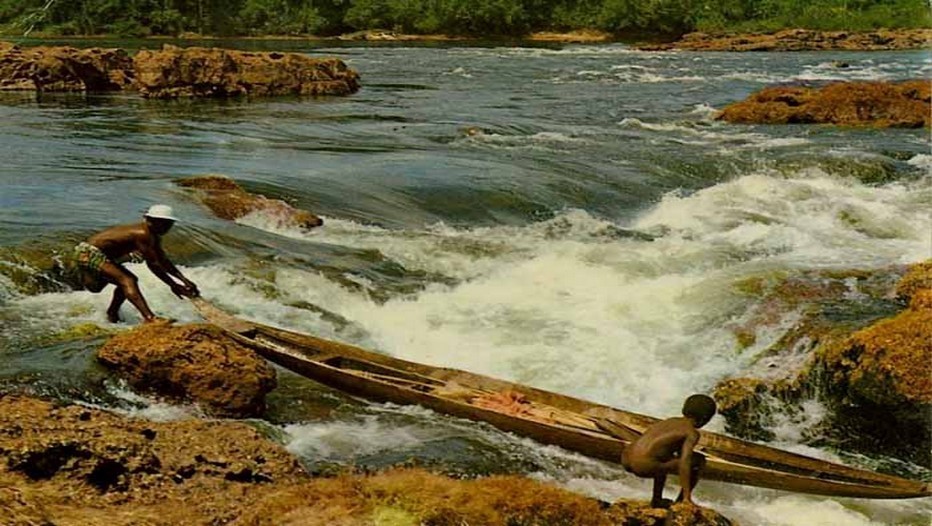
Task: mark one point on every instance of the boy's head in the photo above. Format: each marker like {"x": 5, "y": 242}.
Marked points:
{"x": 700, "y": 408}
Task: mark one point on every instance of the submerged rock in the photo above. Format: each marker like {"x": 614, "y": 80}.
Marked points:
{"x": 196, "y": 362}
{"x": 175, "y": 72}
{"x": 880, "y": 104}
{"x": 64, "y": 69}
{"x": 801, "y": 40}
{"x": 228, "y": 200}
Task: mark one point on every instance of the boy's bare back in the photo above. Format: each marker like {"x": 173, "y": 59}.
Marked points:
{"x": 660, "y": 443}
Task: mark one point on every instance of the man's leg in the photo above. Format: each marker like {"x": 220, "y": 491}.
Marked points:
{"x": 126, "y": 281}
{"x": 113, "y": 311}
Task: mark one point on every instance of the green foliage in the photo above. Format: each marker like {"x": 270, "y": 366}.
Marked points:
{"x": 458, "y": 17}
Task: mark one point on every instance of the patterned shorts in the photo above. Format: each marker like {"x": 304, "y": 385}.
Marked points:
{"x": 89, "y": 257}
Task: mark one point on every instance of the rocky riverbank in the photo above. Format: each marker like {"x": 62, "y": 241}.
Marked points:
{"x": 172, "y": 72}
{"x": 74, "y": 465}
{"x": 800, "y": 40}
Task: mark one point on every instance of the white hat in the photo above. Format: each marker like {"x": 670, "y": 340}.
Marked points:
{"x": 160, "y": 212}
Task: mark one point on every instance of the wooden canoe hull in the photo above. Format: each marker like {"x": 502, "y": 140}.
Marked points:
{"x": 381, "y": 378}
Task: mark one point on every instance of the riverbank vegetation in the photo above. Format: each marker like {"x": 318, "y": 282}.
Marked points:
{"x": 514, "y": 18}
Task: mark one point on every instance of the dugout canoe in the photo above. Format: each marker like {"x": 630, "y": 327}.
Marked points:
{"x": 585, "y": 427}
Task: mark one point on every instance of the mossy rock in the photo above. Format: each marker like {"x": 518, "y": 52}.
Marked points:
{"x": 918, "y": 278}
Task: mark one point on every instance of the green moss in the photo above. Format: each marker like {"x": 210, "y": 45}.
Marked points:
{"x": 81, "y": 331}
{"x": 392, "y": 516}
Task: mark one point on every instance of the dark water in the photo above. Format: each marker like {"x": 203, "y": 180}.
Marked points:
{"x": 569, "y": 217}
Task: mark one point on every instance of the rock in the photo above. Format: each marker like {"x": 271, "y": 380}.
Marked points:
{"x": 196, "y": 362}
{"x": 67, "y": 463}
{"x": 872, "y": 366}
{"x": 639, "y": 513}
{"x": 916, "y": 282}
{"x": 879, "y": 381}
{"x": 44, "y": 69}
{"x": 228, "y": 200}
{"x": 175, "y": 72}
{"x": 879, "y": 104}
{"x": 800, "y": 40}
{"x": 71, "y": 465}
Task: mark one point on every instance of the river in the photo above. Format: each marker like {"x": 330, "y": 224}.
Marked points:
{"x": 569, "y": 217}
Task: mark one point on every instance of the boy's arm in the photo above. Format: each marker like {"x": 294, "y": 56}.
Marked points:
{"x": 686, "y": 463}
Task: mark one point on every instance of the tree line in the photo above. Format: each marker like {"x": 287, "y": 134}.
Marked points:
{"x": 512, "y": 18}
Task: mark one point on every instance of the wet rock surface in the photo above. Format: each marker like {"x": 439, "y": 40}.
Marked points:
{"x": 880, "y": 104}
{"x": 228, "y": 200}
{"x": 49, "y": 69}
{"x": 72, "y": 465}
{"x": 872, "y": 367}
{"x": 196, "y": 362}
{"x": 801, "y": 40}
{"x": 174, "y": 72}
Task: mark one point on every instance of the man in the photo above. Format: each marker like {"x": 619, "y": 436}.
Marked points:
{"x": 99, "y": 261}
{"x": 666, "y": 447}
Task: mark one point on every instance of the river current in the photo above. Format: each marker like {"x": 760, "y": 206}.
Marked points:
{"x": 567, "y": 217}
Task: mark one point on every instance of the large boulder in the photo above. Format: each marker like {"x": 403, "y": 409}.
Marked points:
{"x": 174, "y": 72}
{"x": 863, "y": 356}
{"x": 43, "y": 69}
{"x": 880, "y": 104}
{"x": 228, "y": 200}
{"x": 196, "y": 362}
{"x": 879, "y": 380}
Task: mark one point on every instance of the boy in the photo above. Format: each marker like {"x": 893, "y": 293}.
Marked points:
{"x": 99, "y": 261}
{"x": 666, "y": 447}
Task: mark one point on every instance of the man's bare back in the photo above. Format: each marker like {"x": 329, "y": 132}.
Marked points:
{"x": 100, "y": 257}
{"x": 120, "y": 241}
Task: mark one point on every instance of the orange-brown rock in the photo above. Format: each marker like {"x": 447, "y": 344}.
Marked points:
{"x": 75, "y": 466}
{"x": 64, "y": 69}
{"x": 873, "y": 372}
{"x": 880, "y": 104}
{"x": 888, "y": 363}
{"x": 174, "y": 72}
{"x": 418, "y": 497}
{"x": 801, "y": 40}
{"x": 194, "y": 362}
{"x": 228, "y": 200}
{"x": 916, "y": 282}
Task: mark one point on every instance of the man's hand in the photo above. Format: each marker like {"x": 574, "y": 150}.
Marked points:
{"x": 185, "y": 291}
{"x": 192, "y": 289}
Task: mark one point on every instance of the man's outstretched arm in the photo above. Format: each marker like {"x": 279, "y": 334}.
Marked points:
{"x": 163, "y": 269}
